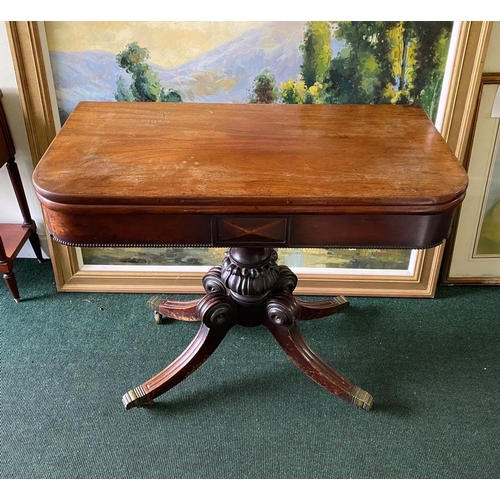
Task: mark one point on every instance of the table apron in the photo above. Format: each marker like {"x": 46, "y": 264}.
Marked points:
{"x": 270, "y": 230}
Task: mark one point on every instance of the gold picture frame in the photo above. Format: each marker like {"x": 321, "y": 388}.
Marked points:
{"x": 30, "y": 55}
{"x": 466, "y": 264}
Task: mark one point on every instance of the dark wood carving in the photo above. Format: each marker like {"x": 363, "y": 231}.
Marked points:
{"x": 249, "y": 289}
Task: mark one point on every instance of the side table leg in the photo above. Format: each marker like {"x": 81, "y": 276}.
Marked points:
{"x": 200, "y": 349}
{"x": 219, "y": 316}
{"x": 23, "y": 205}
{"x": 282, "y": 311}
{"x": 322, "y": 308}
{"x": 10, "y": 280}
{"x": 35, "y": 244}
{"x": 176, "y": 309}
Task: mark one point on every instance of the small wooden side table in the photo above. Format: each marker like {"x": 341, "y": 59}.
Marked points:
{"x": 252, "y": 178}
{"x": 14, "y": 236}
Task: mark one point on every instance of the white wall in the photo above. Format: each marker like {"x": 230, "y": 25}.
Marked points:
{"x": 9, "y": 209}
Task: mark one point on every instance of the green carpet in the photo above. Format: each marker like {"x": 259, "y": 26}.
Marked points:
{"x": 433, "y": 367}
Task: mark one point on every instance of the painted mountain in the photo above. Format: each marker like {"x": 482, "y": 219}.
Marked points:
{"x": 225, "y": 74}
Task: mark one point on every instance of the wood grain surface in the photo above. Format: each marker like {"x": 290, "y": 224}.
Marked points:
{"x": 250, "y": 155}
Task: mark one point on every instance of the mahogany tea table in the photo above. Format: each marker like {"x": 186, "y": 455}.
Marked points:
{"x": 251, "y": 178}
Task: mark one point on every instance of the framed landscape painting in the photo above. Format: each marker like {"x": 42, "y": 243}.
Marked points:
{"x": 291, "y": 63}
{"x": 476, "y": 251}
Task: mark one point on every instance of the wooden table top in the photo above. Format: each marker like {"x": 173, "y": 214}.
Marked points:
{"x": 286, "y": 158}
{"x": 252, "y": 175}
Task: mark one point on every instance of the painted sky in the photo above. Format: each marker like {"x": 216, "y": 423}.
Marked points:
{"x": 170, "y": 43}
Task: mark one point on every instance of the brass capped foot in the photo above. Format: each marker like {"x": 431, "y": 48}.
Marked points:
{"x": 136, "y": 398}
{"x": 361, "y": 398}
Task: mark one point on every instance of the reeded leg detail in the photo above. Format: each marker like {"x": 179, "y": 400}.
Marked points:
{"x": 219, "y": 315}
{"x": 321, "y": 308}
{"x": 282, "y": 311}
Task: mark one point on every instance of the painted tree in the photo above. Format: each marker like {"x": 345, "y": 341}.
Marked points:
{"x": 146, "y": 85}
{"x": 170, "y": 95}
{"x": 123, "y": 92}
{"x": 419, "y": 59}
{"x": 316, "y": 52}
{"x": 402, "y": 41}
{"x": 389, "y": 62}
{"x": 264, "y": 88}
{"x": 295, "y": 91}
{"x": 398, "y": 62}
{"x": 355, "y": 74}
{"x": 431, "y": 57}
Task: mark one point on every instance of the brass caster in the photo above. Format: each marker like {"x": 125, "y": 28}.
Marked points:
{"x": 158, "y": 318}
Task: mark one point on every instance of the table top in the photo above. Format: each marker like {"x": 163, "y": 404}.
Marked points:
{"x": 289, "y": 157}
{"x": 253, "y": 175}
